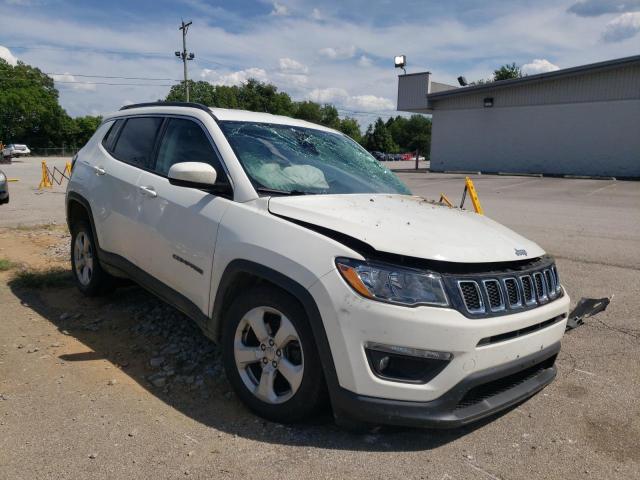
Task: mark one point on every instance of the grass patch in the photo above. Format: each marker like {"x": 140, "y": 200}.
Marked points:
{"x": 32, "y": 228}
{"x": 6, "y": 264}
{"x": 55, "y": 277}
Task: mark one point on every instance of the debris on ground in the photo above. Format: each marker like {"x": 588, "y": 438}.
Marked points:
{"x": 585, "y": 308}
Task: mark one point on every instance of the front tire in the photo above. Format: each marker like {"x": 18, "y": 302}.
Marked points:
{"x": 270, "y": 356}
{"x": 90, "y": 278}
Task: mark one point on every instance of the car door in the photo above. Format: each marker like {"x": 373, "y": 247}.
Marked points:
{"x": 119, "y": 199}
{"x": 180, "y": 223}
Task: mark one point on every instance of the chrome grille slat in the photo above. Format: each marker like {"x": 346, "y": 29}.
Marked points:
{"x": 512, "y": 292}
{"x": 541, "y": 288}
{"x": 551, "y": 284}
{"x": 526, "y": 282}
{"x": 494, "y": 295}
{"x": 471, "y": 296}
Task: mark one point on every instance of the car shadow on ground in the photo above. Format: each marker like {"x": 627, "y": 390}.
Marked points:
{"x": 168, "y": 355}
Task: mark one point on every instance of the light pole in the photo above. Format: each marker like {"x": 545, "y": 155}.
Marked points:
{"x": 185, "y": 55}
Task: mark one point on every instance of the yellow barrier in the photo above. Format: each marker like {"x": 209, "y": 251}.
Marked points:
{"x": 474, "y": 196}
{"x": 49, "y": 176}
{"x": 471, "y": 189}
{"x": 46, "y": 179}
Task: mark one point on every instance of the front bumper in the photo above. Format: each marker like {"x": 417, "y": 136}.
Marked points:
{"x": 479, "y": 395}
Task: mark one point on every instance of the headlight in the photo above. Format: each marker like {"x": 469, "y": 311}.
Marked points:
{"x": 393, "y": 284}
{"x": 2, "y": 178}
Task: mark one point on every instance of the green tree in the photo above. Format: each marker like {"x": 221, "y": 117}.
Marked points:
{"x": 309, "y": 111}
{"x": 507, "y": 72}
{"x": 378, "y": 138}
{"x": 29, "y": 108}
{"x": 349, "y": 126}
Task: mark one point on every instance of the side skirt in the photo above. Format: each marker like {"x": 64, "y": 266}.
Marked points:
{"x": 112, "y": 261}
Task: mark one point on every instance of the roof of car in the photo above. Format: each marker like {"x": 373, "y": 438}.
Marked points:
{"x": 220, "y": 114}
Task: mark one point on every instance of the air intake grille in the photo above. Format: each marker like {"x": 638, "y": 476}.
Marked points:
{"x": 494, "y": 294}
{"x": 541, "y": 292}
{"x": 471, "y": 296}
{"x": 513, "y": 294}
{"x": 499, "y": 293}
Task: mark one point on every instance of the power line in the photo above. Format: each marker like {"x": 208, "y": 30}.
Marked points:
{"x": 90, "y": 83}
{"x": 112, "y": 76}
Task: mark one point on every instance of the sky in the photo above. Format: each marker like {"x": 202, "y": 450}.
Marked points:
{"x": 336, "y": 51}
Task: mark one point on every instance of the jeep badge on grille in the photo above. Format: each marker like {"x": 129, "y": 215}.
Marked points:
{"x": 520, "y": 252}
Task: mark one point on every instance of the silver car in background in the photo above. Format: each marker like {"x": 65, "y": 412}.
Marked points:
{"x": 4, "y": 188}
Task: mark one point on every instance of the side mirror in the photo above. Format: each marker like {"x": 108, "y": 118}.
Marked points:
{"x": 192, "y": 174}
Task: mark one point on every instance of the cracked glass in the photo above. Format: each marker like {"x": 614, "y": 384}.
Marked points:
{"x": 296, "y": 160}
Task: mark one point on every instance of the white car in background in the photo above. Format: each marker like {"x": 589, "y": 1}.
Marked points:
{"x": 15, "y": 150}
{"x": 315, "y": 269}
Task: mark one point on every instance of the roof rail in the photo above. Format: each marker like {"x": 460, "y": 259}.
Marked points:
{"x": 167, "y": 104}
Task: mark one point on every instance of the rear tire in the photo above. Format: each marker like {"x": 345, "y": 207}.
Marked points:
{"x": 270, "y": 356}
{"x": 90, "y": 278}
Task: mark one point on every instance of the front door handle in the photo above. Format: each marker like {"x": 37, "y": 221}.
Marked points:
{"x": 99, "y": 170}
{"x": 148, "y": 191}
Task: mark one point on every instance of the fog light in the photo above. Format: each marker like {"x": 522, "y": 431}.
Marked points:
{"x": 405, "y": 364}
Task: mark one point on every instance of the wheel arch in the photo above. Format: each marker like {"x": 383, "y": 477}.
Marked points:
{"x": 78, "y": 208}
{"x": 243, "y": 273}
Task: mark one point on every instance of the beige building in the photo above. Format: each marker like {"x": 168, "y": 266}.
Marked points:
{"x": 576, "y": 121}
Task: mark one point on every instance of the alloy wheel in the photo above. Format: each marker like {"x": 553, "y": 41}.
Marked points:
{"x": 83, "y": 258}
{"x": 268, "y": 355}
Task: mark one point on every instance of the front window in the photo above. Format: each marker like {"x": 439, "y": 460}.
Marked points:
{"x": 295, "y": 160}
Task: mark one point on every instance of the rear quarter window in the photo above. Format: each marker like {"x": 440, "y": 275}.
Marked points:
{"x": 110, "y": 138}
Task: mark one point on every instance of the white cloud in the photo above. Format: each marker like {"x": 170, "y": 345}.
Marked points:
{"x": 539, "y": 65}
{"x": 234, "y": 78}
{"x": 6, "y": 55}
{"x": 370, "y": 103}
{"x": 279, "y": 10}
{"x": 339, "y": 53}
{"x": 316, "y": 14}
{"x": 328, "y": 95}
{"x": 66, "y": 80}
{"x": 620, "y": 28}
{"x": 365, "y": 61}
{"x": 341, "y": 98}
{"x": 291, "y": 65}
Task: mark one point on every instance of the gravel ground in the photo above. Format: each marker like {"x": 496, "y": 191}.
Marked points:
{"x": 125, "y": 386}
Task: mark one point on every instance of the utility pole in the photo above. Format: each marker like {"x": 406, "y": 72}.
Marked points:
{"x": 185, "y": 55}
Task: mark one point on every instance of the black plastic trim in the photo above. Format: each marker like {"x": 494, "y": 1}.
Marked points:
{"x": 443, "y": 412}
{"x": 240, "y": 266}
{"x": 156, "y": 287}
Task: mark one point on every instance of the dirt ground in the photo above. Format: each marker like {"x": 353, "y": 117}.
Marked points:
{"x": 124, "y": 386}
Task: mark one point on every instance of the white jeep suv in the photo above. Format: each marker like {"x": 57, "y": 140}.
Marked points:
{"x": 321, "y": 276}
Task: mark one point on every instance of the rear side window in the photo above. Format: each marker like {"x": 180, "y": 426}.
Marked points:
{"x": 136, "y": 141}
{"x": 185, "y": 141}
{"x": 110, "y": 137}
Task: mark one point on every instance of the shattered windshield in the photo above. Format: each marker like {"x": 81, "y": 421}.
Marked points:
{"x": 295, "y": 160}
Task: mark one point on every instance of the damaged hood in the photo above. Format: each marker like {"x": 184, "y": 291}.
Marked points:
{"x": 409, "y": 225}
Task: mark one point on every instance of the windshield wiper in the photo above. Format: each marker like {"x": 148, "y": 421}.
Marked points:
{"x": 275, "y": 191}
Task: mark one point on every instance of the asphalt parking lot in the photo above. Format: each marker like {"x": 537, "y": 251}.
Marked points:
{"x": 85, "y": 408}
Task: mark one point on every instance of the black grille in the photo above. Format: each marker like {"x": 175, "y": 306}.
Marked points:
{"x": 511, "y": 285}
{"x": 471, "y": 296}
{"x": 494, "y": 294}
{"x": 537, "y": 278}
{"x": 500, "y": 292}
{"x": 551, "y": 286}
{"x": 491, "y": 389}
{"x": 527, "y": 289}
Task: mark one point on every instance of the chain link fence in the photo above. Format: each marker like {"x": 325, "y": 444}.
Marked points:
{"x": 64, "y": 151}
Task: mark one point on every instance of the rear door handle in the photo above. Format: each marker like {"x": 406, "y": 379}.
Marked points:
{"x": 149, "y": 191}
{"x": 99, "y": 170}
